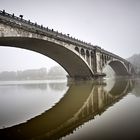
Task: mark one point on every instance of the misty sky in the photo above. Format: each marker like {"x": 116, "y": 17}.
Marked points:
{"x": 112, "y": 24}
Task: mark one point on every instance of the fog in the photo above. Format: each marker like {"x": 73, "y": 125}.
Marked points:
{"x": 111, "y": 24}
{"x": 14, "y": 59}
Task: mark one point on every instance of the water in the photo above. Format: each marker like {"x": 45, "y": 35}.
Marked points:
{"x": 107, "y": 109}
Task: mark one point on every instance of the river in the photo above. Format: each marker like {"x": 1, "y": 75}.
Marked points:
{"x": 46, "y": 110}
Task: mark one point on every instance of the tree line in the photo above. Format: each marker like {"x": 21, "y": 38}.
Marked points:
{"x": 55, "y": 72}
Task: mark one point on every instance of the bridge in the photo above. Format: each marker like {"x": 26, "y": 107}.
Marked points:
{"x": 80, "y": 59}
{"x": 81, "y": 103}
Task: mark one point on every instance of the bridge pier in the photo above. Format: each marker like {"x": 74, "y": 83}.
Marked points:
{"x": 81, "y": 78}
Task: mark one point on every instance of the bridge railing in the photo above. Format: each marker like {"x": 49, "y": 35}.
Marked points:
{"x": 113, "y": 55}
{"x": 50, "y": 31}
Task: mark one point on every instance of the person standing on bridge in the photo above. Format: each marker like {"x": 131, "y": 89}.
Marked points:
{"x": 3, "y": 12}
{"x": 21, "y": 17}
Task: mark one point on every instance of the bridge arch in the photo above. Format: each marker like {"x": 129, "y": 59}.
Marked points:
{"x": 68, "y": 59}
{"x": 118, "y": 67}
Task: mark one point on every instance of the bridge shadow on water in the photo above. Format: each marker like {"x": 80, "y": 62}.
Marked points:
{"x": 81, "y": 103}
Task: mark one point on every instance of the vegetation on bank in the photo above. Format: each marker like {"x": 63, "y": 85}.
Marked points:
{"x": 55, "y": 72}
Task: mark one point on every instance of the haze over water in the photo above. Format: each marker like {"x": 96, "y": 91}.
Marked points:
{"x": 105, "y": 109}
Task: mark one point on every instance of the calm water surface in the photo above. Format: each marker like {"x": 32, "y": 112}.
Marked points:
{"x": 45, "y": 110}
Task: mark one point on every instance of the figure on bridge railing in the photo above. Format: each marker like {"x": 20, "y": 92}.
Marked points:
{"x": 13, "y": 15}
{"x": 21, "y": 17}
{"x": 3, "y": 12}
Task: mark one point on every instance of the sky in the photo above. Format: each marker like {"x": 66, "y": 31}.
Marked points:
{"x": 114, "y": 25}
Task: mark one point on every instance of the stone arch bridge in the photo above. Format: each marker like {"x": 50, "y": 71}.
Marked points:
{"x": 80, "y": 59}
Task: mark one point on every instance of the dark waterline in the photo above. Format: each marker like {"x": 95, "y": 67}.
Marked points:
{"x": 82, "y": 111}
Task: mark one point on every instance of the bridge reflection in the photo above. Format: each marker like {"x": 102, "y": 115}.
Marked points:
{"x": 81, "y": 103}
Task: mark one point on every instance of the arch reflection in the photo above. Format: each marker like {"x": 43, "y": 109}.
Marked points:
{"x": 81, "y": 103}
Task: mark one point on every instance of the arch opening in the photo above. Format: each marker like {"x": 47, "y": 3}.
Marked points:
{"x": 83, "y": 53}
{"x": 109, "y": 71}
{"x": 115, "y": 68}
{"x": 77, "y": 49}
{"x": 119, "y": 68}
{"x": 23, "y": 64}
